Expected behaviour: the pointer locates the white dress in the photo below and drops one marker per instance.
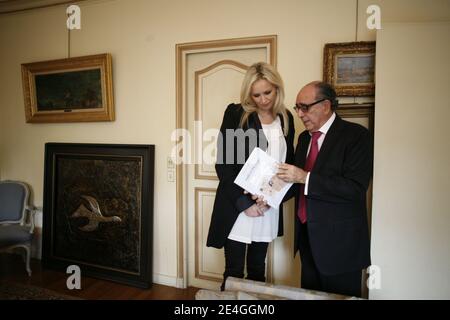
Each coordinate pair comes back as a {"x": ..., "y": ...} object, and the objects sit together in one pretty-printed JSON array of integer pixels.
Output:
[{"x": 263, "y": 228}]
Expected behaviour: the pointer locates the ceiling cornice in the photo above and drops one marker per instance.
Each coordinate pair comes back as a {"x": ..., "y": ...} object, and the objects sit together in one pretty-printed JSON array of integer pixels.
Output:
[{"x": 11, "y": 6}]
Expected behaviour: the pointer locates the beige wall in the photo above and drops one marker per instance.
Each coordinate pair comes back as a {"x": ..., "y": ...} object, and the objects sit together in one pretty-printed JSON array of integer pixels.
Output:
[
  {"x": 141, "y": 36},
  {"x": 411, "y": 218}
]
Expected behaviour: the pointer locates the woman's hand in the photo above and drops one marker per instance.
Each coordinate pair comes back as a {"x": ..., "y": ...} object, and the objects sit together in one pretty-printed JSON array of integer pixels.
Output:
[
  {"x": 261, "y": 206},
  {"x": 259, "y": 199},
  {"x": 254, "y": 211}
]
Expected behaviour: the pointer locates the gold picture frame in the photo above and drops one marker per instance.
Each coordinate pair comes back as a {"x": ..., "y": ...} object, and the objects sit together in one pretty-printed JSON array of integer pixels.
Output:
[
  {"x": 350, "y": 68},
  {"x": 69, "y": 90}
]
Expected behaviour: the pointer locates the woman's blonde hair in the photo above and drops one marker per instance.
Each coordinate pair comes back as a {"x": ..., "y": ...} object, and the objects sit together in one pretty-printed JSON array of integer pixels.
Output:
[{"x": 258, "y": 71}]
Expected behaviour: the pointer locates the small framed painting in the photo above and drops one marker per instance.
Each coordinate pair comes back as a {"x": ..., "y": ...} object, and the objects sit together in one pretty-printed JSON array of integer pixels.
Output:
[{"x": 350, "y": 68}]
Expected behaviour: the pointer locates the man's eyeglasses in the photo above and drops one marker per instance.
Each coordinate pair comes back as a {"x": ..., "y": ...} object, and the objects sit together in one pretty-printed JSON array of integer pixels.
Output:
[{"x": 305, "y": 107}]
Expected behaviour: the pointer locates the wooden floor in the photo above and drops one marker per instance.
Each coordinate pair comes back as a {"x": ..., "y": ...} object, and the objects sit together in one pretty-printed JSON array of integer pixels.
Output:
[{"x": 12, "y": 269}]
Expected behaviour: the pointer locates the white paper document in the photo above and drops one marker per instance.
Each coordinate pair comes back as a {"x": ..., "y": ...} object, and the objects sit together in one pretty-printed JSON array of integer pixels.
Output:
[{"x": 259, "y": 176}]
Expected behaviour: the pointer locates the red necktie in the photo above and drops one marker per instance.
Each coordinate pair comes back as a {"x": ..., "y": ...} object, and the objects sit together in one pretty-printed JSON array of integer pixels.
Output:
[{"x": 310, "y": 160}]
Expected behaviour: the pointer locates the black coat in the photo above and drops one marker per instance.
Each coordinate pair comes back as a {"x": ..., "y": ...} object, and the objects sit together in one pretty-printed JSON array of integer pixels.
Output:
[
  {"x": 336, "y": 200},
  {"x": 230, "y": 198}
]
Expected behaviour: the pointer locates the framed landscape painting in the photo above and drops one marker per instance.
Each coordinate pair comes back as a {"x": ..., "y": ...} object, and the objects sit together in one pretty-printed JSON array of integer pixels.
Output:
[
  {"x": 69, "y": 90},
  {"x": 350, "y": 68}
]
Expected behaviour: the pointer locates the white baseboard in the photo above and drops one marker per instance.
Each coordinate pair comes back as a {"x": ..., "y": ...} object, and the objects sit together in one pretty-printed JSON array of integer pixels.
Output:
[
  {"x": 180, "y": 283},
  {"x": 165, "y": 280}
]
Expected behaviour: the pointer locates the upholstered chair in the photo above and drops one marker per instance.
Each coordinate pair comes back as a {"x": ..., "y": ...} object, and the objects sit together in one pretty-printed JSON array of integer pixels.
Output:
[{"x": 16, "y": 219}]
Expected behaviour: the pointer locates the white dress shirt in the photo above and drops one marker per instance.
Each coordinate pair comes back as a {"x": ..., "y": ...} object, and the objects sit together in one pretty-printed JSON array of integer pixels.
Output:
[{"x": 324, "y": 129}]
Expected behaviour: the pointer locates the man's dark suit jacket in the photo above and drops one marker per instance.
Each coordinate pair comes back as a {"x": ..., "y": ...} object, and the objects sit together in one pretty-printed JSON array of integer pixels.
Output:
[
  {"x": 336, "y": 200},
  {"x": 230, "y": 198}
]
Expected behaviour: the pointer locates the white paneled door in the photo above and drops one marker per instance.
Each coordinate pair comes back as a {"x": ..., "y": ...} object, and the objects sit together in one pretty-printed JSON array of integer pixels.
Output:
[{"x": 211, "y": 78}]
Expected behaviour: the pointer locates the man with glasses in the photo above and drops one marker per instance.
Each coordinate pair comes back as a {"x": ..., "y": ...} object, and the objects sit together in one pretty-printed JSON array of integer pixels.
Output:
[{"x": 332, "y": 171}]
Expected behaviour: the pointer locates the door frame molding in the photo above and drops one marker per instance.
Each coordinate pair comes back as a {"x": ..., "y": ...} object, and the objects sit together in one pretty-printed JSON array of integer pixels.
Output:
[
  {"x": 181, "y": 52},
  {"x": 366, "y": 111}
]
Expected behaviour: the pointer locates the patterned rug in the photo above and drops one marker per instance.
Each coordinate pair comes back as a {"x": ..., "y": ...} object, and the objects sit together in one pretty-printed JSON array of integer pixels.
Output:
[{"x": 15, "y": 291}]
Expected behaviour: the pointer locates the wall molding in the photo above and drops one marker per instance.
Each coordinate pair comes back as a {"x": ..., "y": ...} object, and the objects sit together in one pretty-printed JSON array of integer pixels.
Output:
[{"x": 13, "y": 6}]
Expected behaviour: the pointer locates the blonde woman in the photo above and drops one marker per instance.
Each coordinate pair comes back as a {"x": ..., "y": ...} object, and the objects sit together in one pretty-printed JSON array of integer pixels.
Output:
[{"x": 239, "y": 224}]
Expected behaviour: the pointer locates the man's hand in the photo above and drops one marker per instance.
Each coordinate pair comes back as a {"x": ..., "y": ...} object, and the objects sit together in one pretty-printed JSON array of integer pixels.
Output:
[{"x": 290, "y": 173}]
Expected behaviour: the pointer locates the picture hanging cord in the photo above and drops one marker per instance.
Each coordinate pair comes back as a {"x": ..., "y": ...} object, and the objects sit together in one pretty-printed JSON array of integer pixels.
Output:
[
  {"x": 356, "y": 24},
  {"x": 356, "y": 32},
  {"x": 68, "y": 43}
]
